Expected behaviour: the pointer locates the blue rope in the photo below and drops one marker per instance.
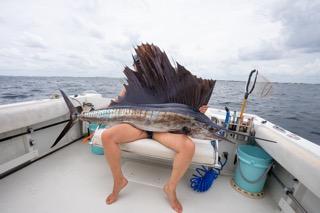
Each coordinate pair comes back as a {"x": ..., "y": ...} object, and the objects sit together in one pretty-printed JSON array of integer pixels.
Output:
[{"x": 203, "y": 180}]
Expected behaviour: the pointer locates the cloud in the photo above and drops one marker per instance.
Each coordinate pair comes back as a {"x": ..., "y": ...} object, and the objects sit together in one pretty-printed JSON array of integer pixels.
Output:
[
  {"x": 300, "y": 32},
  {"x": 2, "y": 20},
  {"x": 88, "y": 28},
  {"x": 33, "y": 41},
  {"x": 300, "y": 19},
  {"x": 221, "y": 40},
  {"x": 265, "y": 50}
]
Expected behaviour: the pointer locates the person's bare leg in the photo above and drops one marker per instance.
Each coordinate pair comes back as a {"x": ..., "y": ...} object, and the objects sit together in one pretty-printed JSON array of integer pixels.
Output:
[
  {"x": 111, "y": 138},
  {"x": 184, "y": 148}
]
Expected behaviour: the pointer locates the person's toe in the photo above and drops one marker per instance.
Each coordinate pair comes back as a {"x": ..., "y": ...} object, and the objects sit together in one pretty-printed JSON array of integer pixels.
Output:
[
  {"x": 177, "y": 206},
  {"x": 111, "y": 198},
  {"x": 116, "y": 189}
]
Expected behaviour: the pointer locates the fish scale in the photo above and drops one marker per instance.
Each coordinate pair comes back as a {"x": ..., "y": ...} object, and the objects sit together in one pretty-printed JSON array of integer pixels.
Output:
[{"x": 111, "y": 114}]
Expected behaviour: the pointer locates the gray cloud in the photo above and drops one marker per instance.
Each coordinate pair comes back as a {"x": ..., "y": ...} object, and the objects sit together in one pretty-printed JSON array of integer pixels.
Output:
[
  {"x": 300, "y": 32},
  {"x": 294, "y": 52},
  {"x": 301, "y": 24},
  {"x": 264, "y": 50}
]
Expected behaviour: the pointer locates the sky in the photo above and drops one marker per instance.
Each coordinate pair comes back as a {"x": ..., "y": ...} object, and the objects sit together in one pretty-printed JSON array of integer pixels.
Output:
[{"x": 221, "y": 40}]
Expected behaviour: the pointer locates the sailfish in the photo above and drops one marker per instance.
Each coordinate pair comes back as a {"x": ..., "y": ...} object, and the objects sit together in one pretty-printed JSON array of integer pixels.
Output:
[{"x": 159, "y": 97}]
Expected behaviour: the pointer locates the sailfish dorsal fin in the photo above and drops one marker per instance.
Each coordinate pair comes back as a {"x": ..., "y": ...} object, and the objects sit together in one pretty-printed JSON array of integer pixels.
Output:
[{"x": 156, "y": 81}]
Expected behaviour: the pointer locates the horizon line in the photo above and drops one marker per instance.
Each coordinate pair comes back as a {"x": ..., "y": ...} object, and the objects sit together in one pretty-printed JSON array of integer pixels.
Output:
[{"x": 61, "y": 76}]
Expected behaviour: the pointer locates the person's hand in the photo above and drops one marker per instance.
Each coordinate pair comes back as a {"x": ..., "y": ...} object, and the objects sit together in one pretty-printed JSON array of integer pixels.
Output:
[{"x": 203, "y": 108}]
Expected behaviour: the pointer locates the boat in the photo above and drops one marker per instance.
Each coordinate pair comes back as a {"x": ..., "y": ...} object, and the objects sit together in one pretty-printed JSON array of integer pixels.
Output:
[{"x": 70, "y": 178}]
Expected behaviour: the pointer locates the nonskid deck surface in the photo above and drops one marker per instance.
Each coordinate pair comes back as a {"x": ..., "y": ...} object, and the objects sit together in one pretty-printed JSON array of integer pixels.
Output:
[{"x": 74, "y": 180}]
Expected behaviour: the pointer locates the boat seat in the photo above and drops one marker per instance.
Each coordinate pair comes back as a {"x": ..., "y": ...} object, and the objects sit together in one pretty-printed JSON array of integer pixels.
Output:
[{"x": 205, "y": 154}]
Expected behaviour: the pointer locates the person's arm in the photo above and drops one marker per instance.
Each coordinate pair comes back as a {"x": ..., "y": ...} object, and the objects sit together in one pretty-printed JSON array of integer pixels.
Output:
[
  {"x": 203, "y": 108},
  {"x": 121, "y": 94}
]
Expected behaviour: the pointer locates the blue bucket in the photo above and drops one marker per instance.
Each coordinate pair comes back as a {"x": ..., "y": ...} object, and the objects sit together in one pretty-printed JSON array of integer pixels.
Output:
[
  {"x": 96, "y": 149},
  {"x": 253, "y": 166},
  {"x": 93, "y": 126}
]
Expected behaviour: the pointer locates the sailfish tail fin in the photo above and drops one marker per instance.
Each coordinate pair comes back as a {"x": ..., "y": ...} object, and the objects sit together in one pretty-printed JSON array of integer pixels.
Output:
[{"x": 74, "y": 112}]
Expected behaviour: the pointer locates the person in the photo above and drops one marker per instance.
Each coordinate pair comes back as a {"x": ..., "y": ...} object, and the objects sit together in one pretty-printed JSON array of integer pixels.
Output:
[{"x": 126, "y": 133}]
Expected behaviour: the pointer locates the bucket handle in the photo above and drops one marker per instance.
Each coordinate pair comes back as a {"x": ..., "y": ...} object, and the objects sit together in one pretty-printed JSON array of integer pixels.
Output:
[{"x": 259, "y": 178}]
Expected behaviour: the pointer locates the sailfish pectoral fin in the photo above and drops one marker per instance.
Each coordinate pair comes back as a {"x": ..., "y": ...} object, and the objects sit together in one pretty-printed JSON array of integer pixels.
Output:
[{"x": 186, "y": 130}]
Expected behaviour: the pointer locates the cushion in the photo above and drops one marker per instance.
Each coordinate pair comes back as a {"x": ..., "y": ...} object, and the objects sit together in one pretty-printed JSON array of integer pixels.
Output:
[{"x": 204, "y": 153}]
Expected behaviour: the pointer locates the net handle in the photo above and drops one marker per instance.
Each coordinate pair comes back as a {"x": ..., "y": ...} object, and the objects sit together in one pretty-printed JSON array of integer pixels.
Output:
[
  {"x": 248, "y": 92},
  {"x": 248, "y": 83}
]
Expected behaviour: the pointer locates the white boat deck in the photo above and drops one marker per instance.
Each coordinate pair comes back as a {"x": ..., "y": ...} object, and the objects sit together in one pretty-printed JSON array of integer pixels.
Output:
[{"x": 75, "y": 180}]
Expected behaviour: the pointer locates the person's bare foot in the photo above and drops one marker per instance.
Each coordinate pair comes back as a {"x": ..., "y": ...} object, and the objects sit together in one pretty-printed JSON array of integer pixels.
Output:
[
  {"x": 171, "y": 195},
  {"x": 116, "y": 189}
]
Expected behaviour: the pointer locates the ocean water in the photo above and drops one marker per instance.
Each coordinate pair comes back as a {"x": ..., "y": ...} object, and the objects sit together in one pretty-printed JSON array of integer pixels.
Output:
[{"x": 295, "y": 107}]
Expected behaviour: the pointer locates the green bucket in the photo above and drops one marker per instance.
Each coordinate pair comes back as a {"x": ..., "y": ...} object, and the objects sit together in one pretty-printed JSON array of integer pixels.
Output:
[{"x": 253, "y": 166}]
